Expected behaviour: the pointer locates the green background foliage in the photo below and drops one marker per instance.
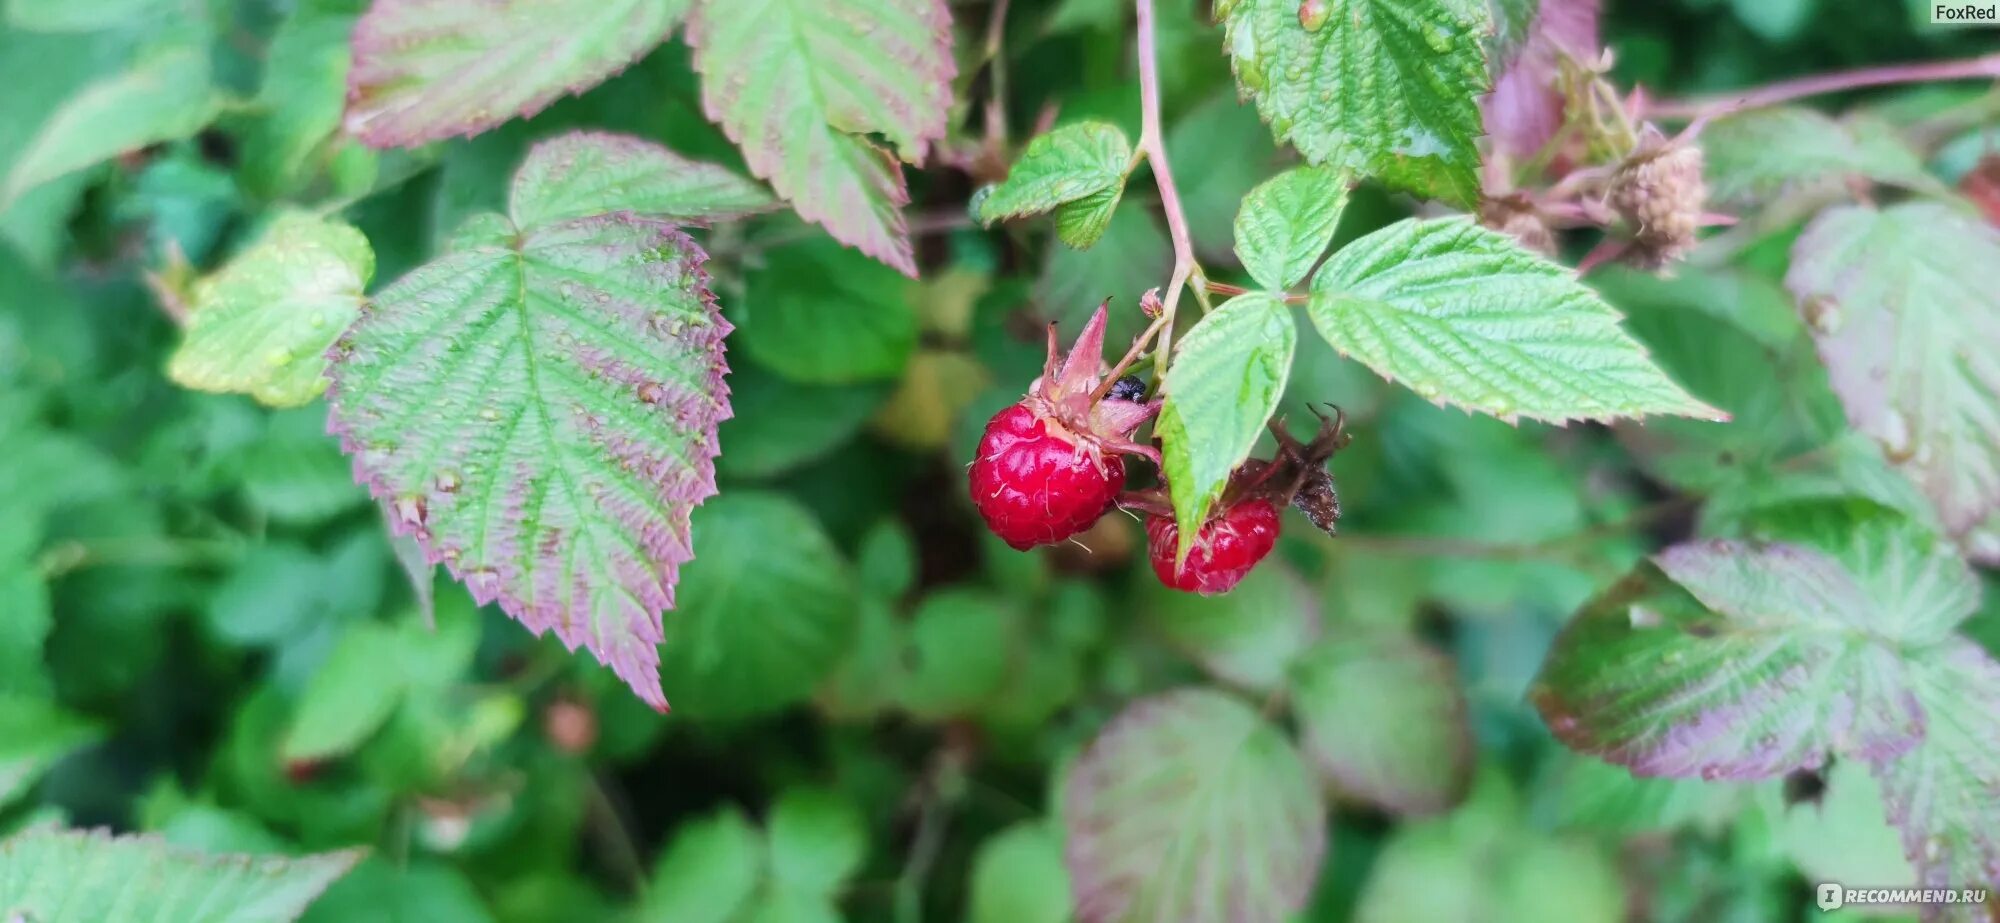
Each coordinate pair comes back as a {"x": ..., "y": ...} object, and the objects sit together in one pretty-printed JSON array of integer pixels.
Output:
[{"x": 213, "y": 644}]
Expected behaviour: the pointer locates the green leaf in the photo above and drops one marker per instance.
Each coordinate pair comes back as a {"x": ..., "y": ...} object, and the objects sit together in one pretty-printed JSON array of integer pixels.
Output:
[
  {"x": 765, "y": 611},
  {"x": 1945, "y": 794},
  {"x": 404, "y": 892},
  {"x": 295, "y": 474},
  {"x": 592, "y": 173},
  {"x": 1756, "y": 156},
  {"x": 1225, "y": 381},
  {"x": 820, "y": 314},
  {"x": 349, "y": 697},
  {"x": 1776, "y": 657},
  {"x": 1133, "y": 255},
  {"x": 1844, "y": 834},
  {"x": 61, "y": 876},
  {"x": 959, "y": 645},
  {"x": 1248, "y": 636},
  {"x": 1463, "y": 315},
  {"x": 708, "y": 871},
  {"x": 780, "y": 425},
  {"x": 24, "y": 597},
  {"x": 1222, "y": 142},
  {"x": 538, "y": 407},
  {"x": 1286, "y": 223},
  {"x": 1384, "y": 718},
  {"x": 1386, "y": 88},
  {"x": 1893, "y": 298},
  {"x": 1082, "y": 223},
  {"x": 800, "y": 84},
  {"x": 163, "y": 96},
  {"x": 1485, "y": 862},
  {"x": 424, "y": 71},
  {"x": 1083, "y": 162},
  {"x": 302, "y": 97},
  {"x": 262, "y": 324},
  {"x": 1018, "y": 877},
  {"x": 818, "y": 840},
  {"x": 1195, "y": 782},
  {"x": 887, "y": 560},
  {"x": 34, "y": 734},
  {"x": 81, "y": 15}
]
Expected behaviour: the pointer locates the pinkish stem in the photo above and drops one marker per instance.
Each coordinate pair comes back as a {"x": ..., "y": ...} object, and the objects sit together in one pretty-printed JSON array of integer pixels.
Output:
[
  {"x": 1721, "y": 104},
  {"x": 1152, "y": 143}
]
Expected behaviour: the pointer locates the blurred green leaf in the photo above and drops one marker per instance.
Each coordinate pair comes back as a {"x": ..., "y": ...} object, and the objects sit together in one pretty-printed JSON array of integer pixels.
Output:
[
  {"x": 1757, "y": 156},
  {"x": 887, "y": 560},
  {"x": 421, "y": 892},
  {"x": 34, "y": 734},
  {"x": 819, "y": 313},
  {"x": 1249, "y": 636},
  {"x": 165, "y": 95},
  {"x": 708, "y": 871},
  {"x": 1222, "y": 142},
  {"x": 960, "y": 644},
  {"x": 349, "y": 697},
  {"x": 818, "y": 840},
  {"x": 1018, "y": 877},
  {"x": 763, "y": 611},
  {"x": 1383, "y": 717},
  {"x": 1195, "y": 780}
]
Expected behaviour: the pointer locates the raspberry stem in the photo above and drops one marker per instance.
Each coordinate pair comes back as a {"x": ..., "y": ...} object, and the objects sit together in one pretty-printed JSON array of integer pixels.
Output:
[
  {"x": 1721, "y": 104},
  {"x": 1152, "y": 142}
]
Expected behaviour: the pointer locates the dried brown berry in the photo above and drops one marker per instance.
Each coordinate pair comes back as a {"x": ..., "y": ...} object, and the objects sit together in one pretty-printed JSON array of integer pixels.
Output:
[
  {"x": 1659, "y": 192},
  {"x": 1515, "y": 216}
]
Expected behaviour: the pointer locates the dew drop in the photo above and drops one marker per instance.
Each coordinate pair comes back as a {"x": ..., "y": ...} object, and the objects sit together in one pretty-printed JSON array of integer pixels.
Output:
[
  {"x": 489, "y": 414},
  {"x": 1313, "y": 14},
  {"x": 1439, "y": 39},
  {"x": 1427, "y": 390},
  {"x": 278, "y": 356},
  {"x": 1250, "y": 73}
]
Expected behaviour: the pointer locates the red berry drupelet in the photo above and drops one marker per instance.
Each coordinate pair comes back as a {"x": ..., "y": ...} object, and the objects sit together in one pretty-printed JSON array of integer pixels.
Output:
[
  {"x": 1228, "y": 546},
  {"x": 1048, "y": 466}
]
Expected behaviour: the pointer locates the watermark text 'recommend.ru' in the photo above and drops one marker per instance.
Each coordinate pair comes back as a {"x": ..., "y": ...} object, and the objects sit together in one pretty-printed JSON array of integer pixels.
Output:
[{"x": 1833, "y": 896}]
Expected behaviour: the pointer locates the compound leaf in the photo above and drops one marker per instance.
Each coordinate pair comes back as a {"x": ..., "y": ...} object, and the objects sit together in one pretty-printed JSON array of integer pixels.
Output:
[
  {"x": 1387, "y": 88},
  {"x": 261, "y": 325},
  {"x": 1898, "y": 301},
  {"x": 431, "y": 69},
  {"x": 538, "y": 407},
  {"x": 798, "y": 84},
  {"x": 1464, "y": 316},
  {"x": 1195, "y": 782},
  {"x": 1225, "y": 381},
  {"x": 71, "y": 876}
]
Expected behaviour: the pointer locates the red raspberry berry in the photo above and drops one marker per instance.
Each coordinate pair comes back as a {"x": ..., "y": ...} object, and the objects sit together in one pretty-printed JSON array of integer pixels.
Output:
[
  {"x": 1035, "y": 487},
  {"x": 1228, "y": 546},
  {"x": 1049, "y": 466}
]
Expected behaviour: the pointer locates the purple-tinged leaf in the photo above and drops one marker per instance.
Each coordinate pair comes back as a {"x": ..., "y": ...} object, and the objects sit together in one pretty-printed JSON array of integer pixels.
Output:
[
  {"x": 425, "y": 70},
  {"x": 799, "y": 84},
  {"x": 594, "y": 173},
  {"x": 1944, "y": 795},
  {"x": 1190, "y": 807},
  {"x": 1384, "y": 718},
  {"x": 1526, "y": 106},
  {"x": 1902, "y": 305},
  {"x": 538, "y": 407},
  {"x": 1775, "y": 663}
]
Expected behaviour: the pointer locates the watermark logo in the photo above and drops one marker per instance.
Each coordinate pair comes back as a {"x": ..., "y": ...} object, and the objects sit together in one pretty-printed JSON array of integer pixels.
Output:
[
  {"x": 1964, "y": 12},
  {"x": 1833, "y": 896}
]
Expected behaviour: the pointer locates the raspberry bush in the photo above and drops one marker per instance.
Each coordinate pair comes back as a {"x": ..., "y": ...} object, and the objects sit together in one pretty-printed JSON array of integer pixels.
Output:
[{"x": 1003, "y": 461}]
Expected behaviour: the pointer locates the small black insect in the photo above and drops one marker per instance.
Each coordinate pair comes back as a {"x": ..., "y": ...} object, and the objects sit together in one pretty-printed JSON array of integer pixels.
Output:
[{"x": 1129, "y": 388}]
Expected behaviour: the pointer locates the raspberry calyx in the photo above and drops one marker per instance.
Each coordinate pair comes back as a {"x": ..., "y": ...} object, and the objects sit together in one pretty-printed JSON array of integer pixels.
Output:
[{"x": 1048, "y": 466}]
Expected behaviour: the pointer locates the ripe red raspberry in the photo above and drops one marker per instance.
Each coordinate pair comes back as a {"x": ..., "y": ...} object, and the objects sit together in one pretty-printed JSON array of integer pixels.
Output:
[
  {"x": 1048, "y": 466},
  {"x": 1227, "y": 547}
]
